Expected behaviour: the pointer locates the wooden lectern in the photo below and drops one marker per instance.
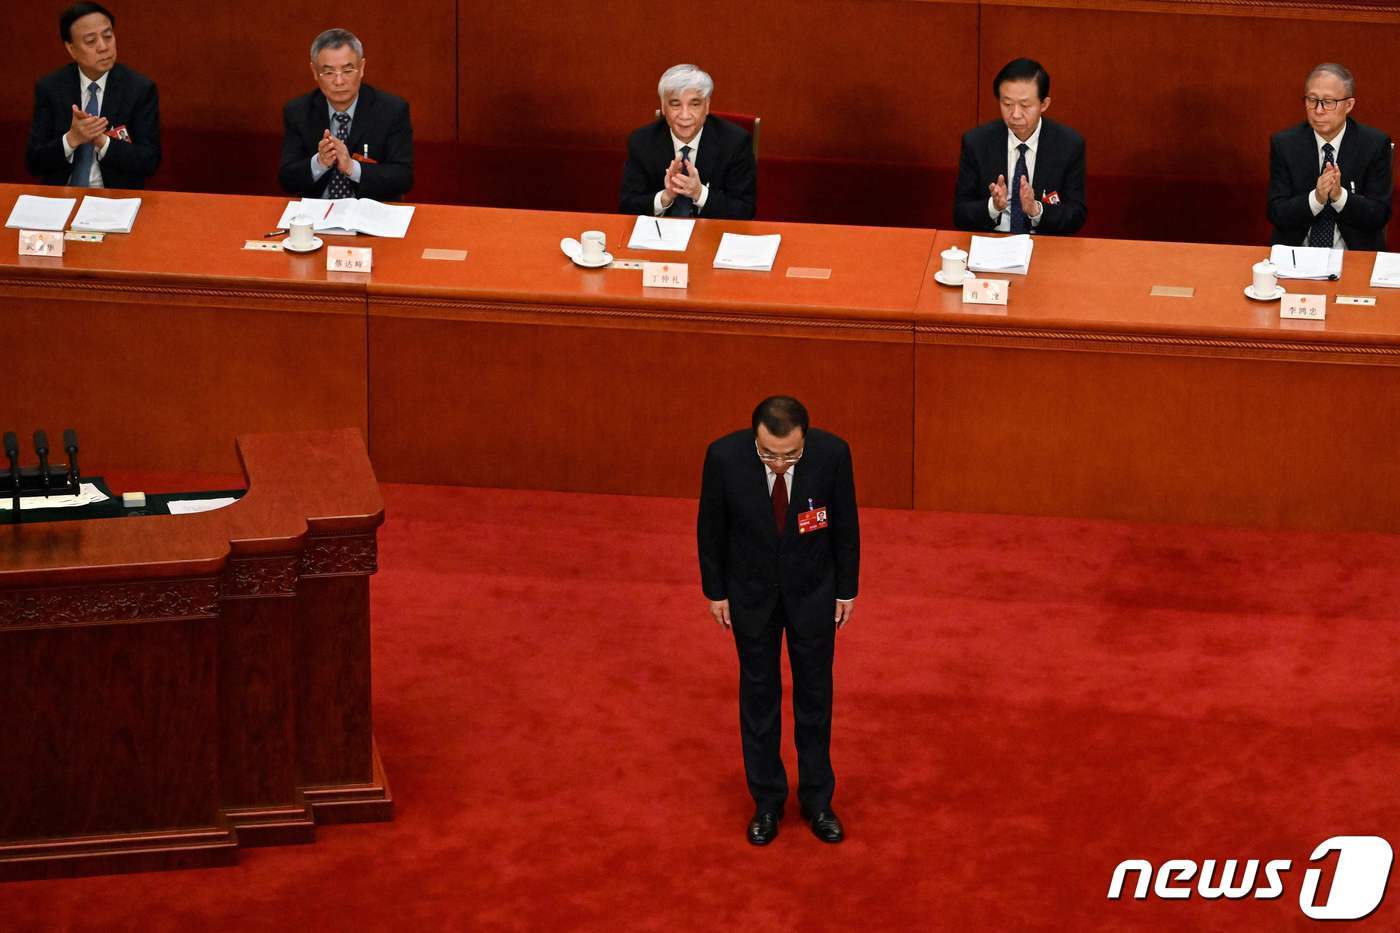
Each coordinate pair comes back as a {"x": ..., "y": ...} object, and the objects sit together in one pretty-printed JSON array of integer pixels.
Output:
[{"x": 174, "y": 687}]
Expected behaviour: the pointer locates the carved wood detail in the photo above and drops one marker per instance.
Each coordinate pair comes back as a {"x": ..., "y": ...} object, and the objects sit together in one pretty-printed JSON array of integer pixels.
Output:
[
  {"x": 340, "y": 555},
  {"x": 109, "y": 603},
  {"x": 260, "y": 576}
]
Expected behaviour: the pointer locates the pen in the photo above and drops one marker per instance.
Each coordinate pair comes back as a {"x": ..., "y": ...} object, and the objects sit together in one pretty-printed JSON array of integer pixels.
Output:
[
  {"x": 366, "y": 150},
  {"x": 1295, "y": 258},
  {"x": 658, "y": 228},
  {"x": 328, "y": 210},
  {"x": 273, "y": 233}
]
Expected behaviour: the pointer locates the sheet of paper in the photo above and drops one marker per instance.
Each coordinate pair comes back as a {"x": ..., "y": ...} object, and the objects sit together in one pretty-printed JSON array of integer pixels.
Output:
[
  {"x": 1386, "y": 272},
  {"x": 87, "y": 494},
  {"x": 316, "y": 209},
  {"x": 375, "y": 218},
  {"x": 108, "y": 215},
  {"x": 1011, "y": 254},
  {"x": 667, "y": 233},
  {"x": 35, "y": 213},
  {"x": 1306, "y": 262},
  {"x": 191, "y": 506},
  {"x": 752, "y": 253}
]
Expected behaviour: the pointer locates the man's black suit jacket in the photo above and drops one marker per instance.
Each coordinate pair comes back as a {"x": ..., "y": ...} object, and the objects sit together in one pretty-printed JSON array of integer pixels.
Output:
[
  {"x": 743, "y": 558},
  {"x": 130, "y": 100},
  {"x": 381, "y": 122},
  {"x": 1364, "y": 160},
  {"x": 725, "y": 163},
  {"x": 1059, "y": 169}
]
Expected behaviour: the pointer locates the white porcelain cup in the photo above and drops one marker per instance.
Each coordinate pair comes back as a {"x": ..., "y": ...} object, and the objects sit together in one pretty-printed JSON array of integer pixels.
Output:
[
  {"x": 299, "y": 234},
  {"x": 954, "y": 263},
  {"x": 1265, "y": 278},
  {"x": 594, "y": 244}
]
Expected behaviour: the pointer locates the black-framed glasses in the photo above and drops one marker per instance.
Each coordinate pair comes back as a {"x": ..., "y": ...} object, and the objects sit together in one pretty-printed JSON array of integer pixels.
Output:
[
  {"x": 777, "y": 458},
  {"x": 1325, "y": 103}
]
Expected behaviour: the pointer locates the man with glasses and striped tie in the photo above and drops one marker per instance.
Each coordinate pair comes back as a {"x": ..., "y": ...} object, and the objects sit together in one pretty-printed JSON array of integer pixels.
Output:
[
  {"x": 96, "y": 123},
  {"x": 1329, "y": 176}
]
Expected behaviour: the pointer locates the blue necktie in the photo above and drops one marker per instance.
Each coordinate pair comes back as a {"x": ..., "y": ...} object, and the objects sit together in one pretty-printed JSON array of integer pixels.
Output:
[
  {"x": 684, "y": 206},
  {"x": 1324, "y": 227},
  {"x": 84, "y": 155},
  {"x": 1019, "y": 223},
  {"x": 340, "y": 185}
]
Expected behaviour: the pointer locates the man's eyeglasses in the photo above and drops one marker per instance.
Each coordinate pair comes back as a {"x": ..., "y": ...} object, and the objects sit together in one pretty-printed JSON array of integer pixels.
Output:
[
  {"x": 766, "y": 457},
  {"x": 347, "y": 72},
  {"x": 1323, "y": 103}
]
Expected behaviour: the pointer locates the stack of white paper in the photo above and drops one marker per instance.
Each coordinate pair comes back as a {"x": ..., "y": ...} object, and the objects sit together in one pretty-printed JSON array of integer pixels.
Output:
[
  {"x": 1009, "y": 254},
  {"x": 668, "y": 233},
  {"x": 349, "y": 216},
  {"x": 1306, "y": 262},
  {"x": 193, "y": 506},
  {"x": 1386, "y": 272},
  {"x": 106, "y": 215},
  {"x": 87, "y": 494},
  {"x": 752, "y": 253},
  {"x": 35, "y": 213}
]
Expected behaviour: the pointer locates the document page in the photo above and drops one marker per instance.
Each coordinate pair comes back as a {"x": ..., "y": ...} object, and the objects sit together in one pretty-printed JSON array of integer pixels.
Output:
[
  {"x": 1306, "y": 262},
  {"x": 35, "y": 213},
  {"x": 1011, "y": 254},
  {"x": 1386, "y": 272},
  {"x": 666, "y": 233},
  {"x": 376, "y": 218},
  {"x": 88, "y": 493},
  {"x": 106, "y": 215},
  {"x": 752, "y": 253},
  {"x": 191, "y": 506}
]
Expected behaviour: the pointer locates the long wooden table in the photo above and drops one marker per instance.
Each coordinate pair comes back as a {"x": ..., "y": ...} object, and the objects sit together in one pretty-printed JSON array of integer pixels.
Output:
[{"x": 1085, "y": 396}]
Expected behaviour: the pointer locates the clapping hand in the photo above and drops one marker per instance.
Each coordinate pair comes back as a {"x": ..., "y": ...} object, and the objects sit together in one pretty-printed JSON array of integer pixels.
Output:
[{"x": 85, "y": 128}]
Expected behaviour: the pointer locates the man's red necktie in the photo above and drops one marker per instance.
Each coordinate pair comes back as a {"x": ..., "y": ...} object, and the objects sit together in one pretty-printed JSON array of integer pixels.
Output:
[{"x": 780, "y": 502}]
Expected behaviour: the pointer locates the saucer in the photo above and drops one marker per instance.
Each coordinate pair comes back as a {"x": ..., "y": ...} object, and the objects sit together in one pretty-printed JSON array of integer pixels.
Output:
[
  {"x": 315, "y": 245},
  {"x": 1251, "y": 293},
  {"x": 941, "y": 280},
  {"x": 602, "y": 261}
]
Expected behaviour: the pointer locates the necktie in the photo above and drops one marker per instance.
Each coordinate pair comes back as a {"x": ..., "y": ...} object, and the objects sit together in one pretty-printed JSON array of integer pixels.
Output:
[
  {"x": 684, "y": 206},
  {"x": 84, "y": 155},
  {"x": 780, "y": 502},
  {"x": 1324, "y": 226},
  {"x": 339, "y": 185},
  {"x": 1019, "y": 223}
]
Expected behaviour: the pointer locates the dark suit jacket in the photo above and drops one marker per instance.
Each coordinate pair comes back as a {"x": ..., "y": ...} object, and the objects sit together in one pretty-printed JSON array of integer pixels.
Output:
[
  {"x": 742, "y": 557},
  {"x": 381, "y": 121},
  {"x": 1364, "y": 159},
  {"x": 130, "y": 100},
  {"x": 1059, "y": 167},
  {"x": 725, "y": 163}
]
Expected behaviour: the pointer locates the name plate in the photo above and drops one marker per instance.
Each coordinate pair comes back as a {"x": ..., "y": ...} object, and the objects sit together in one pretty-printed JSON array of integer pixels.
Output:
[
  {"x": 1367, "y": 300},
  {"x": 449, "y": 255},
  {"x": 985, "y": 291},
  {"x": 806, "y": 272},
  {"x": 626, "y": 264},
  {"x": 40, "y": 243},
  {"x": 1172, "y": 291},
  {"x": 83, "y": 236},
  {"x": 1303, "y": 308},
  {"x": 271, "y": 246},
  {"x": 665, "y": 274},
  {"x": 349, "y": 258}
]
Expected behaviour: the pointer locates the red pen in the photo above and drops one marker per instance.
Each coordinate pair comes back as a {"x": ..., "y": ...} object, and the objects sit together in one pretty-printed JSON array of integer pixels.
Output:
[{"x": 328, "y": 210}]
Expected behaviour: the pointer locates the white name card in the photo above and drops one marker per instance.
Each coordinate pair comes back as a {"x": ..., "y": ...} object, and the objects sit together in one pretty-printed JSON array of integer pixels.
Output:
[
  {"x": 81, "y": 236},
  {"x": 1303, "y": 308},
  {"x": 1368, "y": 301},
  {"x": 665, "y": 274},
  {"x": 267, "y": 246},
  {"x": 40, "y": 243},
  {"x": 985, "y": 291},
  {"x": 349, "y": 258}
]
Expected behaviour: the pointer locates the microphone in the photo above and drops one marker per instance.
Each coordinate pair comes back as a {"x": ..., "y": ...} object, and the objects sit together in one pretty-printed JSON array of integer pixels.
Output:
[
  {"x": 12, "y": 451},
  {"x": 70, "y": 445},
  {"x": 41, "y": 447}
]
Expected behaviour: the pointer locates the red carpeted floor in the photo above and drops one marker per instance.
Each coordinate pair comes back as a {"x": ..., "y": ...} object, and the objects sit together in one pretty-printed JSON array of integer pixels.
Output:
[{"x": 1021, "y": 704}]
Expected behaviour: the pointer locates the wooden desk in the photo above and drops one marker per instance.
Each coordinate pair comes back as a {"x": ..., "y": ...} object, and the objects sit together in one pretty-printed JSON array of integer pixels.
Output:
[
  {"x": 1086, "y": 396},
  {"x": 178, "y": 686}
]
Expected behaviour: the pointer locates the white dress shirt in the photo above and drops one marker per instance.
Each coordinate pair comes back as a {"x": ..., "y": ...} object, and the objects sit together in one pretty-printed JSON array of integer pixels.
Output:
[
  {"x": 1341, "y": 202},
  {"x": 94, "y": 180},
  {"x": 1003, "y": 218},
  {"x": 656, "y": 207},
  {"x": 317, "y": 169}
]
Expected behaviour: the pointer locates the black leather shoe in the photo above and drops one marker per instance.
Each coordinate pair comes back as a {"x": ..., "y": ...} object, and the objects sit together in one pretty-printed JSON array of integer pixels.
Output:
[
  {"x": 826, "y": 827},
  {"x": 763, "y": 828}
]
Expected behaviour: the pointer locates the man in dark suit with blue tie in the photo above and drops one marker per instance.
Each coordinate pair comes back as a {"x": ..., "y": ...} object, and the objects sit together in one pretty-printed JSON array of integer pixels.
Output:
[
  {"x": 1044, "y": 161},
  {"x": 96, "y": 123},
  {"x": 345, "y": 139},
  {"x": 779, "y": 543},
  {"x": 689, "y": 163},
  {"x": 1329, "y": 176}
]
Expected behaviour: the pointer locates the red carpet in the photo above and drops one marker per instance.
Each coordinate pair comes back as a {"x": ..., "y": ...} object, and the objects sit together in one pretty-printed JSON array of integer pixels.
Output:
[{"x": 1021, "y": 704}]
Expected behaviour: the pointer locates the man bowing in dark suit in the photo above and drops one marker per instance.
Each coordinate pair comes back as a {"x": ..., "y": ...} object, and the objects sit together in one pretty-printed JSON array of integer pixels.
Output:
[
  {"x": 689, "y": 163},
  {"x": 96, "y": 123},
  {"x": 1329, "y": 176},
  {"x": 779, "y": 543},
  {"x": 346, "y": 139},
  {"x": 1043, "y": 160}
]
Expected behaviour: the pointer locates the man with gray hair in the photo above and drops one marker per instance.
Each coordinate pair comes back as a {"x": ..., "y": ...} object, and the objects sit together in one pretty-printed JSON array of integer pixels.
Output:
[
  {"x": 1329, "y": 176},
  {"x": 345, "y": 139},
  {"x": 689, "y": 163}
]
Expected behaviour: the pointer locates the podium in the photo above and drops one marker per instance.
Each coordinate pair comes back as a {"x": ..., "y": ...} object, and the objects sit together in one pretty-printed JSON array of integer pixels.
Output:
[{"x": 176, "y": 687}]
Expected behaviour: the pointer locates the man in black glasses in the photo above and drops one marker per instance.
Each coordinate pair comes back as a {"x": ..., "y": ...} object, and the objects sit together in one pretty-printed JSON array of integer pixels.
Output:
[
  {"x": 780, "y": 553},
  {"x": 1329, "y": 176}
]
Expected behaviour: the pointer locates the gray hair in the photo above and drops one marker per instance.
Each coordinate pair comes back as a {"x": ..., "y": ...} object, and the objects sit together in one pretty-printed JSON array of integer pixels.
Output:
[
  {"x": 334, "y": 39},
  {"x": 1337, "y": 71},
  {"x": 680, "y": 78}
]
